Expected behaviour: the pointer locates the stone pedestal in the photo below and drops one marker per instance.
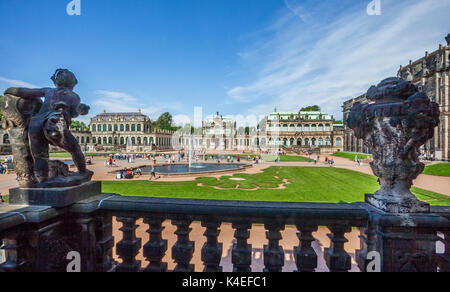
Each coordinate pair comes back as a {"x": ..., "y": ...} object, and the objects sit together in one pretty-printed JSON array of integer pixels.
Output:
[
  {"x": 410, "y": 205},
  {"x": 54, "y": 197}
]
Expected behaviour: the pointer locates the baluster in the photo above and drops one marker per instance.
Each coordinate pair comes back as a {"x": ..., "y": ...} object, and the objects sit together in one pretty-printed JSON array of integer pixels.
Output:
[
  {"x": 242, "y": 251},
  {"x": 368, "y": 244},
  {"x": 212, "y": 250},
  {"x": 273, "y": 253},
  {"x": 16, "y": 259},
  {"x": 444, "y": 265},
  {"x": 128, "y": 248},
  {"x": 337, "y": 259},
  {"x": 305, "y": 255},
  {"x": 105, "y": 243},
  {"x": 156, "y": 247},
  {"x": 183, "y": 250}
]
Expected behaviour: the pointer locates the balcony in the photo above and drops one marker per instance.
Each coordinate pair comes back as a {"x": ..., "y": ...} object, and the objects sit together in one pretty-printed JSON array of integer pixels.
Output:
[{"x": 38, "y": 238}]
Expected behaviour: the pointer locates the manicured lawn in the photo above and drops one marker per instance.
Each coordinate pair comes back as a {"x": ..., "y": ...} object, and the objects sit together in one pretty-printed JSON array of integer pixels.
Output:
[
  {"x": 441, "y": 169},
  {"x": 290, "y": 158},
  {"x": 351, "y": 156},
  {"x": 67, "y": 155},
  {"x": 308, "y": 184}
]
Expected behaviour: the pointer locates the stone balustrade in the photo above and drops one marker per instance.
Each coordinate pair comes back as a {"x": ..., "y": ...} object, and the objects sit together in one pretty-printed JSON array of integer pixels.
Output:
[{"x": 39, "y": 238}]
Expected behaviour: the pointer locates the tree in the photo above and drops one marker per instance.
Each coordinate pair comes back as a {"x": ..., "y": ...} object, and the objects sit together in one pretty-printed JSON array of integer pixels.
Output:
[
  {"x": 79, "y": 126},
  {"x": 312, "y": 108},
  {"x": 165, "y": 122}
]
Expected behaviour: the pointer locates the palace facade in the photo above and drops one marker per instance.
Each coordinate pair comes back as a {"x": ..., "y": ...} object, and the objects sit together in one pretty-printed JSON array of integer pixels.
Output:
[
  {"x": 304, "y": 130},
  {"x": 293, "y": 131},
  {"x": 127, "y": 132}
]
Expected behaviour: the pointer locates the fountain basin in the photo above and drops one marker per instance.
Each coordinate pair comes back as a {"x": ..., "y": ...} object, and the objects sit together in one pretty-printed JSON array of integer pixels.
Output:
[{"x": 196, "y": 168}]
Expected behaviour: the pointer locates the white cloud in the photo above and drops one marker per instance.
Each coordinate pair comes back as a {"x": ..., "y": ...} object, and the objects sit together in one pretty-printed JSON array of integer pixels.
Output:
[
  {"x": 17, "y": 83},
  {"x": 113, "y": 101},
  {"x": 323, "y": 60}
]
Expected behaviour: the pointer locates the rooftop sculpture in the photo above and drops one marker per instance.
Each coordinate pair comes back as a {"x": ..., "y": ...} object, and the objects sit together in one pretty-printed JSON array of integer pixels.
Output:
[
  {"x": 394, "y": 123},
  {"x": 34, "y": 125}
]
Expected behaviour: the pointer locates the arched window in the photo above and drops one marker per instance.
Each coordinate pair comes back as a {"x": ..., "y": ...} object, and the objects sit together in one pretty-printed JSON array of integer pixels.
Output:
[
  {"x": 104, "y": 140},
  {"x": 313, "y": 128},
  {"x": 285, "y": 142},
  {"x": 339, "y": 142},
  {"x": 6, "y": 139},
  {"x": 306, "y": 128},
  {"x": 277, "y": 127},
  {"x": 145, "y": 140},
  {"x": 104, "y": 127},
  {"x": 88, "y": 140},
  {"x": 78, "y": 139},
  {"x": 217, "y": 130},
  {"x": 292, "y": 128},
  {"x": 82, "y": 140},
  {"x": 115, "y": 141},
  {"x": 270, "y": 127},
  {"x": 306, "y": 142},
  {"x": 139, "y": 127},
  {"x": 151, "y": 140},
  {"x": 270, "y": 141},
  {"x": 320, "y": 141},
  {"x": 127, "y": 127},
  {"x": 263, "y": 141},
  {"x": 320, "y": 128},
  {"x": 299, "y": 128},
  {"x": 285, "y": 128},
  {"x": 327, "y": 142},
  {"x": 291, "y": 142},
  {"x": 139, "y": 140},
  {"x": 94, "y": 128},
  {"x": 313, "y": 142},
  {"x": 110, "y": 128},
  {"x": 133, "y": 141},
  {"x": 133, "y": 128},
  {"x": 327, "y": 127},
  {"x": 278, "y": 141},
  {"x": 94, "y": 140},
  {"x": 122, "y": 128},
  {"x": 299, "y": 142},
  {"x": 110, "y": 140},
  {"x": 99, "y": 140},
  {"x": 116, "y": 127},
  {"x": 122, "y": 140}
]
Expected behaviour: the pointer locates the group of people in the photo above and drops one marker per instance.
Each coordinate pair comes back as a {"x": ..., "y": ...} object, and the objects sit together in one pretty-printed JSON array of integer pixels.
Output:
[{"x": 129, "y": 173}]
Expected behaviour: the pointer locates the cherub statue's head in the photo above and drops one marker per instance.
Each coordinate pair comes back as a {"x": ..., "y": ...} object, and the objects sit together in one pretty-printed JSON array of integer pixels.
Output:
[{"x": 64, "y": 78}]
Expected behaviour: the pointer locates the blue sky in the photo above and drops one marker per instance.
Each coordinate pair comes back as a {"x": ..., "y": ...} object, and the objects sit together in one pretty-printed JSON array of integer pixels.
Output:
[{"x": 239, "y": 57}]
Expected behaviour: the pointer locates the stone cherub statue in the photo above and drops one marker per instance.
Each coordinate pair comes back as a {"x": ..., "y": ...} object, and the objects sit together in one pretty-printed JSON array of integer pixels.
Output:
[
  {"x": 34, "y": 125},
  {"x": 395, "y": 122}
]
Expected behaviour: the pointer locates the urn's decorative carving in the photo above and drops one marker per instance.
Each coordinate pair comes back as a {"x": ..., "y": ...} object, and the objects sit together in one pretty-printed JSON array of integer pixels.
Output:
[
  {"x": 395, "y": 122},
  {"x": 34, "y": 125}
]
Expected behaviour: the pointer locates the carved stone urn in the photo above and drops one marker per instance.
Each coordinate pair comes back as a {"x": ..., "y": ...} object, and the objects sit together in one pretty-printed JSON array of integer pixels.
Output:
[{"x": 394, "y": 123}]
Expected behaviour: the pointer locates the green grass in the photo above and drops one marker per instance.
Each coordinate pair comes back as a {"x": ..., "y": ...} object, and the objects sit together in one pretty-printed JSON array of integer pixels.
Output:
[
  {"x": 6, "y": 198},
  {"x": 67, "y": 155},
  {"x": 351, "y": 156},
  {"x": 441, "y": 169},
  {"x": 290, "y": 158},
  {"x": 308, "y": 184}
]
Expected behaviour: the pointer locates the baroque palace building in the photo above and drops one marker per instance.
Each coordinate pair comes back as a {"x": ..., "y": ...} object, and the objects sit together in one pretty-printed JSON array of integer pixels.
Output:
[
  {"x": 127, "y": 131},
  {"x": 289, "y": 131},
  {"x": 304, "y": 130},
  {"x": 431, "y": 74}
]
